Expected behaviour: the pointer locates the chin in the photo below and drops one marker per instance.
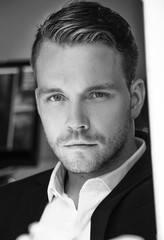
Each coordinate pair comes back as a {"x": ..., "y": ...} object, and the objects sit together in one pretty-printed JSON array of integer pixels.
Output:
[
  {"x": 79, "y": 167},
  {"x": 82, "y": 166},
  {"x": 79, "y": 162}
]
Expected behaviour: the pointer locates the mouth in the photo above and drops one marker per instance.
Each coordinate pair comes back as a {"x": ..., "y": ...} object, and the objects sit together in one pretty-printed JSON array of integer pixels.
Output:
[{"x": 80, "y": 145}]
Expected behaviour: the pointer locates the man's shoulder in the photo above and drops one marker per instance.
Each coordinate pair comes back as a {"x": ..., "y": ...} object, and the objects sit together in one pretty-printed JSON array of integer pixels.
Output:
[
  {"x": 21, "y": 203},
  {"x": 31, "y": 182}
]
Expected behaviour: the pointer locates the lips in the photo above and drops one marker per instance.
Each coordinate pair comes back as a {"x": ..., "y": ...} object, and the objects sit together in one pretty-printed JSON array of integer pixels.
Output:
[{"x": 80, "y": 145}]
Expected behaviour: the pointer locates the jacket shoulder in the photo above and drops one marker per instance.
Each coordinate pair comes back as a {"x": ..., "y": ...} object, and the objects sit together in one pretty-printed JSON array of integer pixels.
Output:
[
  {"x": 21, "y": 203},
  {"x": 27, "y": 183}
]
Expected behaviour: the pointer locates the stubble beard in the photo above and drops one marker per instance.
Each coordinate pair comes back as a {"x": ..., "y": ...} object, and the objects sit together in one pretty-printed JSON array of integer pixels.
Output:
[{"x": 107, "y": 155}]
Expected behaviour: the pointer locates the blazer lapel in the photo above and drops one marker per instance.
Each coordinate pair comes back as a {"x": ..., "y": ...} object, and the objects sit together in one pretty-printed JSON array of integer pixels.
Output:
[{"x": 140, "y": 171}]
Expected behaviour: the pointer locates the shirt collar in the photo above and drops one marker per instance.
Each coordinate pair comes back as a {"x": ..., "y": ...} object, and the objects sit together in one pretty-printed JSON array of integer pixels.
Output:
[
  {"x": 56, "y": 183},
  {"x": 113, "y": 178},
  {"x": 109, "y": 180}
]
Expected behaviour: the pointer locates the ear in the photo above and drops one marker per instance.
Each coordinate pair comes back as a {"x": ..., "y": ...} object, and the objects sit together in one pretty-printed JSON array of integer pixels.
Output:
[
  {"x": 37, "y": 100},
  {"x": 137, "y": 90}
]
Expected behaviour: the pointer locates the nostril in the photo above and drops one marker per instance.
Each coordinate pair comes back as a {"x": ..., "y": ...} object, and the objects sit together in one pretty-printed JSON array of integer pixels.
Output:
[
  {"x": 78, "y": 127},
  {"x": 77, "y": 118}
]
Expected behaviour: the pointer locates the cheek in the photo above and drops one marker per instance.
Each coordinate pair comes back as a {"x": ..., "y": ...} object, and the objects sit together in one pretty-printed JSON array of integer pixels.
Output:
[
  {"x": 53, "y": 123},
  {"x": 110, "y": 117}
]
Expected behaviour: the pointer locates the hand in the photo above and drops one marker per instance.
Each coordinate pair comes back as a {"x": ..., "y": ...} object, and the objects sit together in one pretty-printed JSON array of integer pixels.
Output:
[
  {"x": 124, "y": 237},
  {"x": 29, "y": 236},
  {"x": 24, "y": 237},
  {"x": 37, "y": 232}
]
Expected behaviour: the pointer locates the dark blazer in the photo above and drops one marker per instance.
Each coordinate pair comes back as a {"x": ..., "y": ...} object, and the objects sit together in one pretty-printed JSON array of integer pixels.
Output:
[{"x": 128, "y": 209}]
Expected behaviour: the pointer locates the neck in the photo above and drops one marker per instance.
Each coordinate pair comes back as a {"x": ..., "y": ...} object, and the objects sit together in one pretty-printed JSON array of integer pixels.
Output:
[
  {"x": 75, "y": 181},
  {"x": 73, "y": 185}
]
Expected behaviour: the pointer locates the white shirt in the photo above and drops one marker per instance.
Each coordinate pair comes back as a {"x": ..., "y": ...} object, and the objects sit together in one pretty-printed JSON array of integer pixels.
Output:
[{"x": 60, "y": 219}]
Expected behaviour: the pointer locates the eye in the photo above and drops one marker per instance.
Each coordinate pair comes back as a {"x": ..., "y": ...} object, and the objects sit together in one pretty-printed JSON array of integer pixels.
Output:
[
  {"x": 56, "y": 98},
  {"x": 99, "y": 95}
]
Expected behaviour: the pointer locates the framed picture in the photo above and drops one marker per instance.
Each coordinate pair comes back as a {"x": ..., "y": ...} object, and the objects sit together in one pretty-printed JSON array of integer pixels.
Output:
[{"x": 18, "y": 115}]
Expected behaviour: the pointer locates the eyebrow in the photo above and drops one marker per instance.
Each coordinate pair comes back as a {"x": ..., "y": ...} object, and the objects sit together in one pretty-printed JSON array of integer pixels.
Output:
[
  {"x": 45, "y": 90},
  {"x": 106, "y": 86}
]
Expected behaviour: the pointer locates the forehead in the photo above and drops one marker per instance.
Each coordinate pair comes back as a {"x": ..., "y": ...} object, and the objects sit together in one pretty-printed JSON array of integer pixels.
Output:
[{"x": 89, "y": 63}]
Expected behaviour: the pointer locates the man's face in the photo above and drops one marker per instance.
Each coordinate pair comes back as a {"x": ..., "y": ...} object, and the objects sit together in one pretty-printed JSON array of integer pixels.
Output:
[{"x": 84, "y": 104}]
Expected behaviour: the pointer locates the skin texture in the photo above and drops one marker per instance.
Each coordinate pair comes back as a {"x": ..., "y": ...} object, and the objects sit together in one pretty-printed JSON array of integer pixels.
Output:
[{"x": 86, "y": 109}]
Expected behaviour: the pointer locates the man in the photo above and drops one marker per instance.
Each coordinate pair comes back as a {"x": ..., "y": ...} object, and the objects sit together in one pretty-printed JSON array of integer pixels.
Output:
[{"x": 84, "y": 59}]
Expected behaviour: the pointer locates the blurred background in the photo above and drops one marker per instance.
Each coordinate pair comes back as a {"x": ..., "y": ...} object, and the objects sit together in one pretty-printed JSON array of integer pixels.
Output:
[{"x": 24, "y": 150}]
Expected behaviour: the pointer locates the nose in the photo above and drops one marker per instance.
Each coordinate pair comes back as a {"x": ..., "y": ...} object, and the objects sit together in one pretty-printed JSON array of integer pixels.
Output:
[{"x": 77, "y": 117}]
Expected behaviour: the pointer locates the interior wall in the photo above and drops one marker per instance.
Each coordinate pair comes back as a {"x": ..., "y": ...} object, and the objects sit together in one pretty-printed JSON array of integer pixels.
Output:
[{"x": 18, "y": 24}]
